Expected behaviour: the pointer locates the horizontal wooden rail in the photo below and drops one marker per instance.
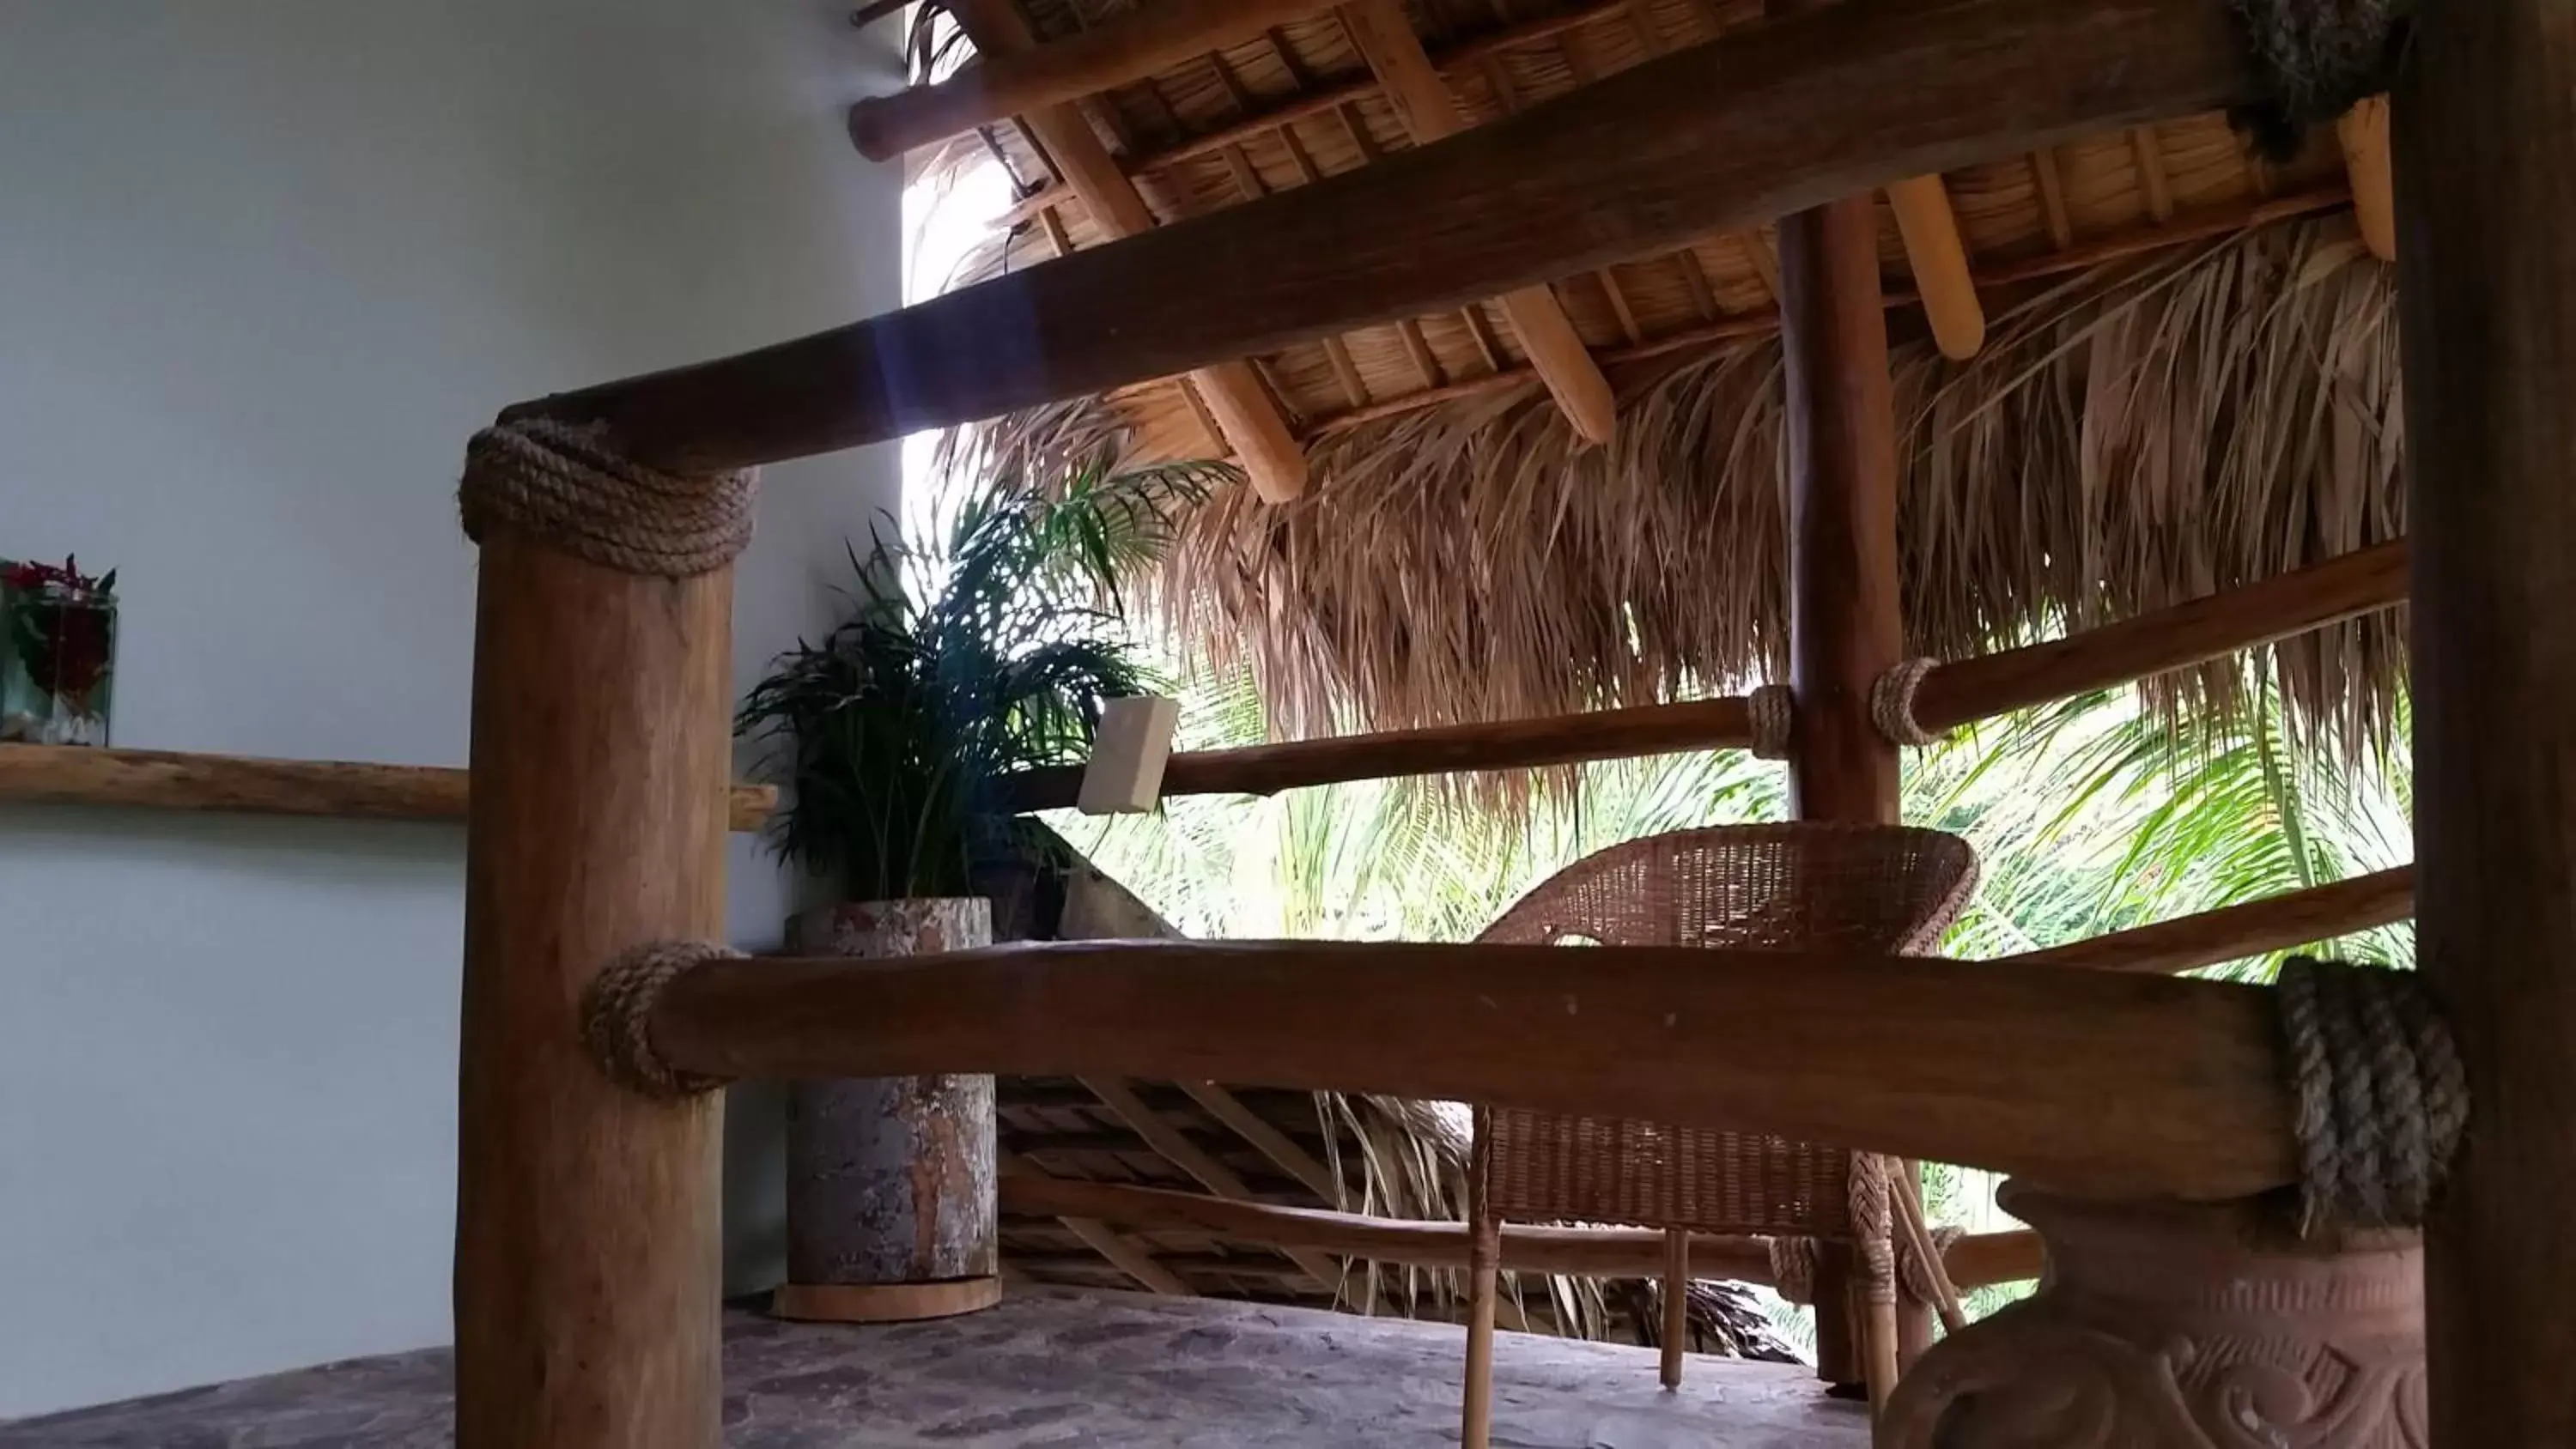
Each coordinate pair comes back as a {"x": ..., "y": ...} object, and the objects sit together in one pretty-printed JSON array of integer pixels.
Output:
[
  {"x": 2187, "y": 634},
  {"x": 169, "y": 780},
  {"x": 1608, "y": 734},
  {"x": 2087, "y": 1081},
  {"x": 1591, "y": 1252},
  {"x": 1129, "y": 46},
  {"x": 2211, "y": 627},
  {"x": 1744, "y": 129},
  {"x": 2231, "y": 933}
]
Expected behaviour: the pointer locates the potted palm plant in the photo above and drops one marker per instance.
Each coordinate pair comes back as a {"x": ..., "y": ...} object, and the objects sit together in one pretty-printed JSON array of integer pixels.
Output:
[{"x": 959, "y": 664}]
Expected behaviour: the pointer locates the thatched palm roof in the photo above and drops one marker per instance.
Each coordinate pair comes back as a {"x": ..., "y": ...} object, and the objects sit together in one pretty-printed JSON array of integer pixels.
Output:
[{"x": 2189, "y": 382}]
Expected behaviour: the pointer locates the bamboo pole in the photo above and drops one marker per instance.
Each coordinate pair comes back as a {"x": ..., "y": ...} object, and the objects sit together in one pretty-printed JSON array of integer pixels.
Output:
[
  {"x": 1938, "y": 257},
  {"x": 1836, "y": 97},
  {"x": 1273, "y": 461},
  {"x": 2093, "y": 1081},
  {"x": 333, "y": 789},
  {"x": 587, "y": 1233},
  {"x": 2123, "y": 652},
  {"x": 2363, "y": 134},
  {"x": 2485, "y": 142},
  {"x": 1508, "y": 745},
  {"x": 1579, "y": 1252},
  {"x": 1384, "y": 37},
  {"x": 1016, "y": 80},
  {"x": 2232, "y": 932},
  {"x": 2193, "y": 632}
]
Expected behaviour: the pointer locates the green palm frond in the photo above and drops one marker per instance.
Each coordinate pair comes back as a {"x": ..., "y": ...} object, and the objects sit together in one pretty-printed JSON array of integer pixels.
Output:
[{"x": 958, "y": 664}]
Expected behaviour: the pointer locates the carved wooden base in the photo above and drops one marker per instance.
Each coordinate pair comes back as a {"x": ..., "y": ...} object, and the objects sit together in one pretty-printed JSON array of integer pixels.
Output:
[{"x": 2171, "y": 1326}]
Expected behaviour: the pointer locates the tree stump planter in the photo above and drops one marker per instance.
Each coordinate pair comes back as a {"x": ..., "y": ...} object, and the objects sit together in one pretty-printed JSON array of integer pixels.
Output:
[
  {"x": 2175, "y": 1326},
  {"x": 890, "y": 1184}
]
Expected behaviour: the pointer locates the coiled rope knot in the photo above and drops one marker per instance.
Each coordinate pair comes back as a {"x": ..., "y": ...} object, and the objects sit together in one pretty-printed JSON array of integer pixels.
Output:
[
  {"x": 617, "y": 1013},
  {"x": 1891, "y": 702},
  {"x": 2316, "y": 58},
  {"x": 1772, "y": 709},
  {"x": 2382, "y": 1099},
  {"x": 566, "y": 487}
]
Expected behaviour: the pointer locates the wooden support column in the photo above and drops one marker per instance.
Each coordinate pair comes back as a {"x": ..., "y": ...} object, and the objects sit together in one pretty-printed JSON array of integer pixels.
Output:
[
  {"x": 587, "y": 1252},
  {"x": 1843, "y": 624},
  {"x": 2485, "y": 143}
]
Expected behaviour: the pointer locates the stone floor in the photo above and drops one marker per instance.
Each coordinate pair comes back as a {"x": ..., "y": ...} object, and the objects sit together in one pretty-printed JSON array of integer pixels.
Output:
[{"x": 1062, "y": 1368}]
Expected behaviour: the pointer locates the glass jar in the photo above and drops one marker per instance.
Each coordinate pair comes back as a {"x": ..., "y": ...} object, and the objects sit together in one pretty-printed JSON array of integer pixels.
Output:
[{"x": 57, "y": 663}]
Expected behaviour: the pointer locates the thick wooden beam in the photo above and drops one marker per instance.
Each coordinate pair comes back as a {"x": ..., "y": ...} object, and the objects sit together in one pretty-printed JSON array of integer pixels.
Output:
[
  {"x": 2199, "y": 225},
  {"x": 2140, "y": 1085},
  {"x": 1251, "y": 424},
  {"x": 2194, "y": 632},
  {"x": 1609, "y": 734},
  {"x": 1152, "y": 37},
  {"x": 2485, "y": 142},
  {"x": 336, "y": 789},
  {"x": 587, "y": 1233},
  {"x": 1726, "y": 135},
  {"x": 2230, "y": 933},
  {"x": 1384, "y": 37}
]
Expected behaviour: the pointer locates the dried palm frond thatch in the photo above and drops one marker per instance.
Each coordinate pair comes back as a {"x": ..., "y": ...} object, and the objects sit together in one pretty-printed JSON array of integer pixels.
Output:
[{"x": 2131, "y": 437}]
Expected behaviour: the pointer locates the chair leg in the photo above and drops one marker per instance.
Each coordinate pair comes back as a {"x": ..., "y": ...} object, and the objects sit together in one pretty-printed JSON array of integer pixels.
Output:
[
  {"x": 1676, "y": 1304},
  {"x": 1878, "y": 1350},
  {"x": 1484, "y": 1253}
]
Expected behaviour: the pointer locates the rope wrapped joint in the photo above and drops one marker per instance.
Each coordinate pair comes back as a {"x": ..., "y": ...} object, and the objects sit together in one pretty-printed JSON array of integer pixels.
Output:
[
  {"x": 1891, "y": 702},
  {"x": 568, "y": 487},
  {"x": 1772, "y": 709},
  {"x": 617, "y": 1016},
  {"x": 2316, "y": 58},
  {"x": 2382, "y": 1098}
]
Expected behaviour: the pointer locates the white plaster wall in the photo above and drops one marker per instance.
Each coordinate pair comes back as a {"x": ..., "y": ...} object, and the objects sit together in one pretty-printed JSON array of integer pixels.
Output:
[{"x": 264, "y": 265}]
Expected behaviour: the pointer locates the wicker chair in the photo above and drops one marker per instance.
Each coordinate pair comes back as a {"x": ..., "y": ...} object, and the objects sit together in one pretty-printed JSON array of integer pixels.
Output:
[{"x": 1812, "y": 886}]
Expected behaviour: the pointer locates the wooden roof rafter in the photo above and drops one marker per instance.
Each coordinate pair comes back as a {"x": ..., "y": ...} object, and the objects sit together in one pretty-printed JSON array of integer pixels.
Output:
[
  {"x": 1638, "y": 161},
  {"x": 1243, "y": 411}
]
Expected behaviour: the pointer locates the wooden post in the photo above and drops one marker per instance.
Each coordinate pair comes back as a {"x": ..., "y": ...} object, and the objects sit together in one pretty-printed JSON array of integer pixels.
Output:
[
  {"x": 1676, "y": 1305},
  {"x": 1843, "y": 624},
  {"x": 1484, "y": 1253},
  {"x": 2485, "y": 142},
  {"x": 587, "y": 1252}
]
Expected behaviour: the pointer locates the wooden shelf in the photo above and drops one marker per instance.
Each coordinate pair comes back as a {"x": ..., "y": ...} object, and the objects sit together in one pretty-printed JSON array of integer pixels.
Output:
[{"x": 168, "y": 780}]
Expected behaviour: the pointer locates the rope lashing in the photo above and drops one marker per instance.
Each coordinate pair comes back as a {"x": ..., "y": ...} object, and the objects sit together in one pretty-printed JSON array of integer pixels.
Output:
[
  {"x": 567, "y": 487},
  {"x": 1922, "y": 1272},
  {"x": 2382, "y": 1098},
  {"x": 2316, "y": 57},
  {"x": 1891, "y": 702},
  {"x": 617, "y": 1013},
  {"x": 1793, "y": 1268},
  {"x": 1773, "y": 709},
  {"x": 1873, "y": 1221}
]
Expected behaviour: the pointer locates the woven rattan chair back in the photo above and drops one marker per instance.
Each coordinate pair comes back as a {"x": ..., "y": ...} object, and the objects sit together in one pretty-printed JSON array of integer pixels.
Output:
[{"x": 1792, "y": 886}]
